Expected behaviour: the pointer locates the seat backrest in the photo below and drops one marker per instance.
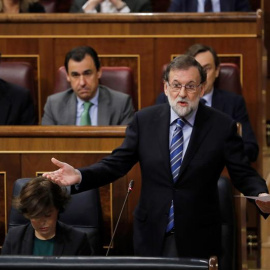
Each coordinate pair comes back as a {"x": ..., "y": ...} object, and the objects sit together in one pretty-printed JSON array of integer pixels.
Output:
[
  {"x": 83, "y": 213},
  {"x": 22, "y": 74},
  {"x": 228, "y": 79},
  {"x": 118, "y": 78},
  {"x": 228, "y": 230}
]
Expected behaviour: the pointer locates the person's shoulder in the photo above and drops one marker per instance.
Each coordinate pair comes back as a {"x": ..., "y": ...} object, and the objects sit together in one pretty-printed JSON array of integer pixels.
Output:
[
  {"x": 113, "y": 92},
  {"x": 12, "y": 88},
  {"x": 214, "y": 113},
  {"x": 154, "y": 110},
  {"x": 67, "y": 229},
  {"x": 61, "y": 95},
  {"x": 228, "y": 95},
  {"x": 17, "y": 230}
]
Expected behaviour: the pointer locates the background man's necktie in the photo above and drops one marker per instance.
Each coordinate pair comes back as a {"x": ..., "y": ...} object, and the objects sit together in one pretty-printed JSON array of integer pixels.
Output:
[
  {"x": 176, "y": 152},
  {"x": 208, "y": 6},
  {"x": 85, "y": 117}
]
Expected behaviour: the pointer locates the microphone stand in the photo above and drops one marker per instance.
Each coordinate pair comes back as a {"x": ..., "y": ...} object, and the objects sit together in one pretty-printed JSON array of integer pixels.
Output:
[{"x": 130, "y": 187}]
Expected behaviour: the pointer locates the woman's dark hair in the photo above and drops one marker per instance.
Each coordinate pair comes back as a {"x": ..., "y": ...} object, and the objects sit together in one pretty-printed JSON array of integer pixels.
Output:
[{"x": 38, "y": 196}]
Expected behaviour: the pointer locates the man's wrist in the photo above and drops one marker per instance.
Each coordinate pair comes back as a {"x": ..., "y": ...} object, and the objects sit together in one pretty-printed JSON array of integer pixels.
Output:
[{"x": 80, "y": 176}]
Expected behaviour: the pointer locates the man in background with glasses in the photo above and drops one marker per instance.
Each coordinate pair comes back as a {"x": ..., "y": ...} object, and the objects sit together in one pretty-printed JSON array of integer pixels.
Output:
[
  {"x": 222, "y": 99},
  {"x": 182, "y": 148}
]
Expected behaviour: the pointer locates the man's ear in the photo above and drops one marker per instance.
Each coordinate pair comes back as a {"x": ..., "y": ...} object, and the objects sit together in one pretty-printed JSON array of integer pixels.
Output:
[
  {"x": 202, "y": 89},
  {"x": 68, "y": 78},
  {"x": 99, "y": 73},
  {"x": 165, "y": 84},
  {"x": 217, "y": 71}
]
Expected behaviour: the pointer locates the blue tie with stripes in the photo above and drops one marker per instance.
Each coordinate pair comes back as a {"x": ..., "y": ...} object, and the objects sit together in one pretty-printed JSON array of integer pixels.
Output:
[{"x": 176, "y": 150}]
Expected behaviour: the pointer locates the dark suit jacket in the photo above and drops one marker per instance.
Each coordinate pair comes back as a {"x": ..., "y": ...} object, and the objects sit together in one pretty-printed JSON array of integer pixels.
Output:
[
  {"x": 36, "y": 8},
  {"x": 225, "y": 5},
  {"x": 214, "y": 143},
  {"x": 134, "y": 5},
  {"x": 114, "y": 108},
  {"x": 234, "y": 105},
  {"x": 16, "y": 105},
  {"x": 68, "y": 241}
]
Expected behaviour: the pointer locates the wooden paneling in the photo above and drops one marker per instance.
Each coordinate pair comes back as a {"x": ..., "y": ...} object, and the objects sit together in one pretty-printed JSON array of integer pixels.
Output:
[{"x": 145, "y": 42}]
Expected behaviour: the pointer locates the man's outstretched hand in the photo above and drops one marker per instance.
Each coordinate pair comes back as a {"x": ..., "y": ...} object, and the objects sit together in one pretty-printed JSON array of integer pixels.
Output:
[{"x": 66, "y": 175}]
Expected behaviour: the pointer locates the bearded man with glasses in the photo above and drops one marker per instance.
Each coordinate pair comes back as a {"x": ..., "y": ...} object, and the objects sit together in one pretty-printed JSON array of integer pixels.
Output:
[{"x": 178, "y": 210}]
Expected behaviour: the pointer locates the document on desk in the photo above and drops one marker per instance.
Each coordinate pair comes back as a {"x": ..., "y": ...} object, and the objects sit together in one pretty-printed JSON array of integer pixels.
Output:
[{"x": 263, "y": 198}]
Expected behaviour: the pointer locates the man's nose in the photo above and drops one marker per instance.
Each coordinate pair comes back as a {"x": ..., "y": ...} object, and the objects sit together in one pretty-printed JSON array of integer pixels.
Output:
[
  {"x": 182, "y": 91},
  {"x": 82, "y": 80}
]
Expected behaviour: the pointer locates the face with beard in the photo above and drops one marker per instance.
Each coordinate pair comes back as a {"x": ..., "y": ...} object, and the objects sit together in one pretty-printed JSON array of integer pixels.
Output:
[{"x": 184, "y": 101}]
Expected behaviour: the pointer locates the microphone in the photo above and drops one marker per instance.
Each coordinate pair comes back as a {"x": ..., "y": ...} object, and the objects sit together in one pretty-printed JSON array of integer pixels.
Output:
[{"x": 130, "y": 188}]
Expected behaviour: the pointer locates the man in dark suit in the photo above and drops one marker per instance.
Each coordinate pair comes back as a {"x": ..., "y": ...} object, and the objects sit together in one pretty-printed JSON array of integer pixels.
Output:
[
  {"x": 108, "y": 6},
  {"x": 228, "y": 102},
  {"x": 198, "y": 6},
  {"x": 16, "y": 103},
  {"x": 108, "y": 107},
  {"x": 209, "y": 143}
]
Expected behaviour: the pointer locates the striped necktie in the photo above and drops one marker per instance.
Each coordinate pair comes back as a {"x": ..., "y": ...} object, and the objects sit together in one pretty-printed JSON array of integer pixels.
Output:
[
  {"x": 176, "y": 151},
  {"x": 85, "y": 117}
]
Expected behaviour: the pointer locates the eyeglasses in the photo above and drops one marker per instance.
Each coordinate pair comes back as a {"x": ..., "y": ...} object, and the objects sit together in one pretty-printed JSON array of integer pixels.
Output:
[{"x": 190, "y": 88}]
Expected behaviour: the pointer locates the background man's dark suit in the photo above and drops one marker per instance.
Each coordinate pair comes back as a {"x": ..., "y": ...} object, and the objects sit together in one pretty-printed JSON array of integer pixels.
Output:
[
  {"x": 225, "y": 5},
  {"x": 68, "y": 241},
  {"x": 213, "y": 144},
  {"x": 134, "y": 5},
  {"x": 16, "y": 105},
  {"x": 234, "y": 105}
]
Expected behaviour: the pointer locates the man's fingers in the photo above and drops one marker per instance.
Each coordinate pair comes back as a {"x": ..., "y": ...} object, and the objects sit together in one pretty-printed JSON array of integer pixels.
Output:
[{"x": 57, "y": 162}]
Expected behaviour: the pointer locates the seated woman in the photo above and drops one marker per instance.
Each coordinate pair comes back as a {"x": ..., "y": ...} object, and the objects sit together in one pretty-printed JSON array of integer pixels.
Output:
[
  {"x": 21, "y": 6},
  {"x": 40, "y": 201}
]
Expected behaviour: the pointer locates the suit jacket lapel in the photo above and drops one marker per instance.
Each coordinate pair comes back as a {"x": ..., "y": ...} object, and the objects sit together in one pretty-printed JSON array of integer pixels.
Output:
[
  {"x": 59, "y": 242},
  {"x": 199, "y": 132},
  {"x": 104, "y": 110},
  {"x": 28, "y": 241},
  {"x": 217, "y": 101},
  {"x": 160, "y": 130},
  {"x": 69, "y": 109}
]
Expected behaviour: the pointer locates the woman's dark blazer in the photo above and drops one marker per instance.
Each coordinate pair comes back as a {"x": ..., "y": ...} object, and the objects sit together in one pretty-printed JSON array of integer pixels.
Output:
[{"x": 68, "y": 241}]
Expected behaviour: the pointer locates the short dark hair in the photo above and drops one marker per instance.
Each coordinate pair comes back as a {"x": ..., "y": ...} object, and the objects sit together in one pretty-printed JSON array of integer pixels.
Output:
[
  {"x": 200, "y": 48},
  {"x": 77, "y": 54},
  {"x": 39, "y": 195},
  {"x": 184, "y": 62}
]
